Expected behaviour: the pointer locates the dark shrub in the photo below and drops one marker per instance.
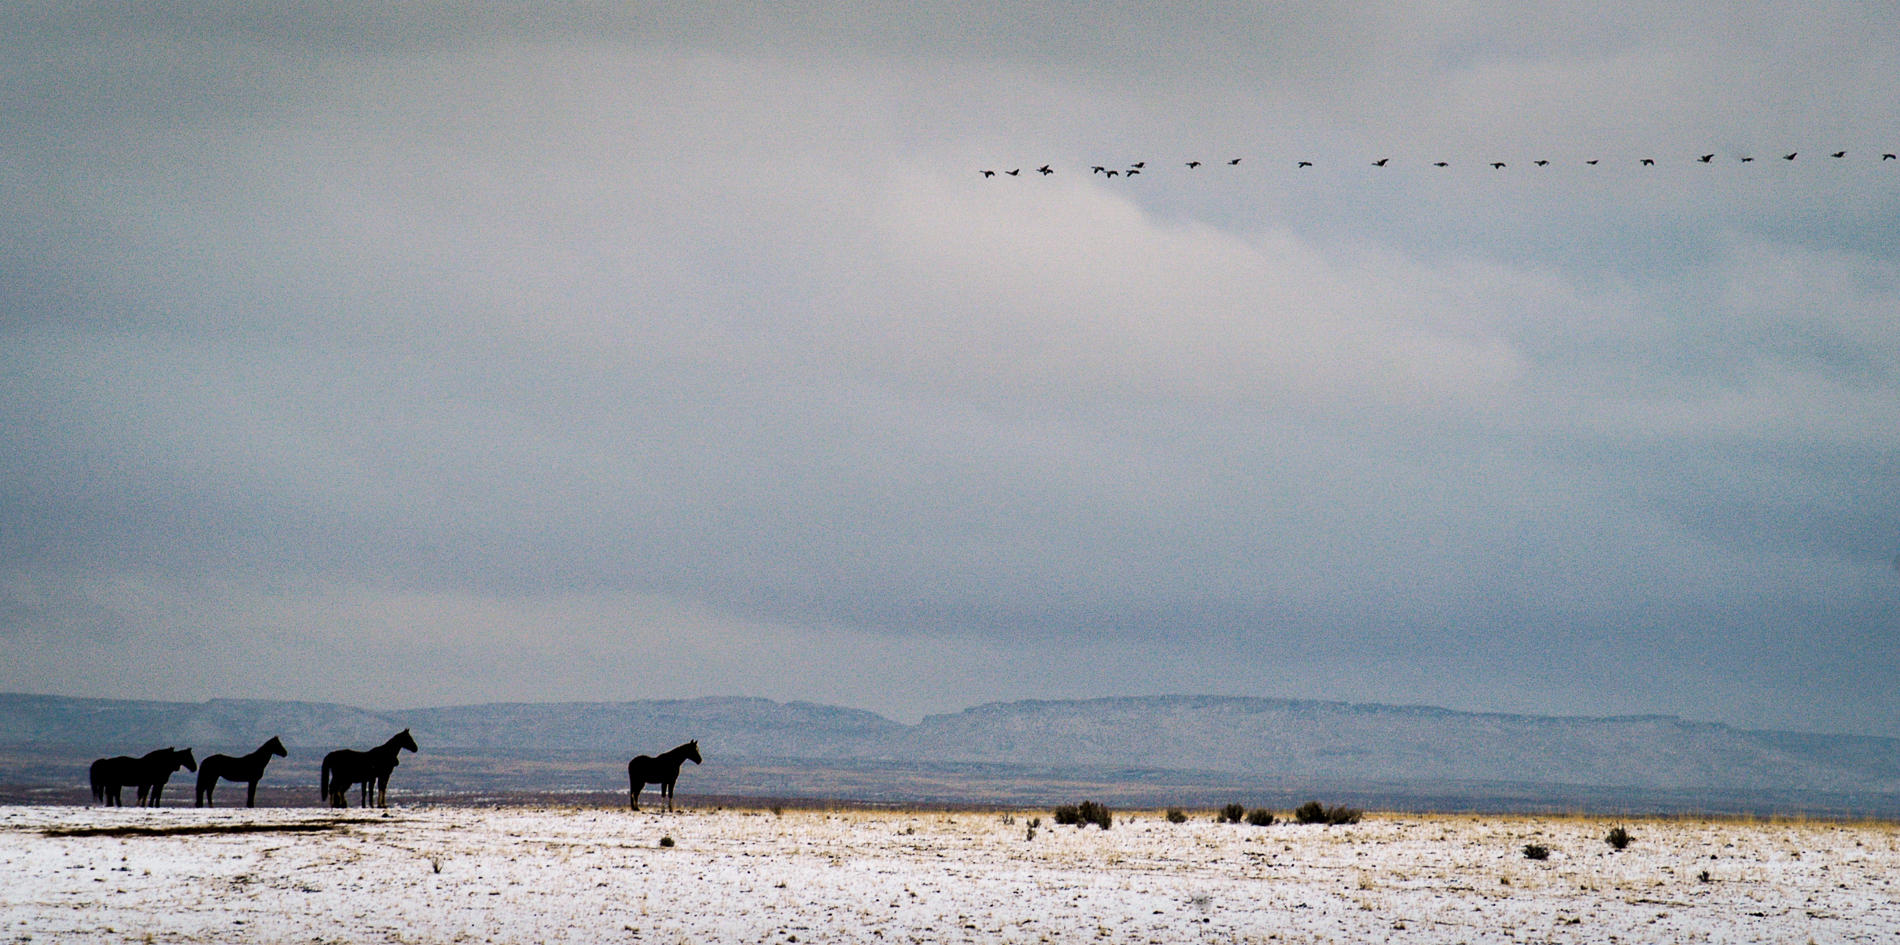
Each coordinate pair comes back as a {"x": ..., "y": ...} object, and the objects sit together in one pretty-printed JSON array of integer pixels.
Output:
[
  {"x": 1085, "y": 813},
  {"x": 1312, "y": 812},
  {"x": 1260, "y": 817},
  {"x": 666, "y": 841},
  {"x": 1536, "y": 851},
  {"x": 1175, "y": 816},
  {"x": 1231, "y": 814},
  {"x": 1618, "y": 838}
]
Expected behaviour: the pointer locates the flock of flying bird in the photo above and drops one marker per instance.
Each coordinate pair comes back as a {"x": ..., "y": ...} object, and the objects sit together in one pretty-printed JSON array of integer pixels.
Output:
[{"x": 1138, "y": 167}]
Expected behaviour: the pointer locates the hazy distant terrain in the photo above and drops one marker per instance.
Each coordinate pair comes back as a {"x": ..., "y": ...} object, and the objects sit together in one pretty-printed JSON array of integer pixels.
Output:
[{"x": 1140, "y": 749}]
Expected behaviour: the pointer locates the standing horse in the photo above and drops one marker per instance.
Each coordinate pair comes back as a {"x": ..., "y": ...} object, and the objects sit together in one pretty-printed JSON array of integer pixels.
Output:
[
  {"x": 663, "y": 771},
  {"x": 249, "y": 769},
  {"x": 343, "y": 767},
  {"x": 155, "y": 769},
  {"x": 111, "y": 774},
  {"x": 147, "y": 773}
]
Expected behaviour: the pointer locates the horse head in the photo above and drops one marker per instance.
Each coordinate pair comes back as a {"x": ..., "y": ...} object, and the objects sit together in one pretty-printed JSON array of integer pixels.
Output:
[
  {"x": 184, "y": 758},
  {"x": 692, "y": 751},
  {"x": 276, "y": 747},
  {"x": 404, "y": 740}
]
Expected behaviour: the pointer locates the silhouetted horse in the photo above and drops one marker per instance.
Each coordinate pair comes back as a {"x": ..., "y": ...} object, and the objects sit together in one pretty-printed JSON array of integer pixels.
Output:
[
  {"x": 108, "y": 776},
  {"x": 663, "y": 771},
  {"x": 249, "y": 769},
  {"x": 153, "y": 772},
  {"x": 343, "y": 767},
  {"x": 148, "y": 773}
]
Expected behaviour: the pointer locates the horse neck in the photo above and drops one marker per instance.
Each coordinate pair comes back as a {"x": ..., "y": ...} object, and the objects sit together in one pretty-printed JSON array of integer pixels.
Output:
[{"x": 679, "y": 754}]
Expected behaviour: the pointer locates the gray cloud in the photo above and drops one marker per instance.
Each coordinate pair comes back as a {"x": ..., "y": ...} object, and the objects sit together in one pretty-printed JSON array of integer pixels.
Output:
[{"x": 691, "y": 341}]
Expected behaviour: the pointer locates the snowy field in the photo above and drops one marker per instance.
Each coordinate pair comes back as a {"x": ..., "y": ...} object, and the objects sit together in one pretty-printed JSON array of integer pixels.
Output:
[{"x": 595, "y": 875}]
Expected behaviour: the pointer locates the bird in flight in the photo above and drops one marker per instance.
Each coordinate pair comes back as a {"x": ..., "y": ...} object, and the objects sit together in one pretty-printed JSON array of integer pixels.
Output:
[
  {"x": 1747, "y": 159},
  {"x": 1194, "y": 164},
  {"x": 1133, "y": 171},
  {"x": 1887, "y": 157},
  {"x": 1304, "y": 164},
  {"x": 1541, "y": 163},
  {"x": 1592, "y": 162},
  {"x": 1111, "y": 173},
  {"x": 1838, "y": 154},
  {"x": 1138, "y": 165},
  {"x": 1440, "y": 164},
  {"x": 1380, "y": 162},
  {"x": 1014, "y": 172},
  {"x": 989, "y": 173},
  {"x": 1649, "y": 162},
  {"x": 1097, "y": 169},
  {"x": 1497, "y": 165},
  {"x": 1045, "y": 170},
  {"x": 1790, "y": 155},
  {"x": 1706, "y": 158},
  {"x": 1233, "y": 162}
]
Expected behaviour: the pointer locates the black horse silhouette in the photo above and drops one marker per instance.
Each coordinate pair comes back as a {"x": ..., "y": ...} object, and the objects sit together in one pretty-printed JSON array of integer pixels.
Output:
[
  {"x": 344, "y": 767},
  {"x": 147, "y": 773},
  {"x": 249, "y": 769},
  {"x": 663, "y": 771}
]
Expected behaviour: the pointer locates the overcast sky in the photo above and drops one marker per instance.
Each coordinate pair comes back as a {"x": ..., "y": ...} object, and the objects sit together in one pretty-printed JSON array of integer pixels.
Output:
[{"x": 417, "y": 354}]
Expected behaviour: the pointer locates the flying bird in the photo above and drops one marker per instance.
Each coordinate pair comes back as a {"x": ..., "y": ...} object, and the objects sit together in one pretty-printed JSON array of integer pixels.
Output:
[
  {"x": 1649, "y": 162},
  {"x": 1440, "y": 164},
  {"x": 1838, "y": 154},
  {"x": 1706, "y": 158},
  {"x": 1133, "y": 171},
  {"x": 1194, "y": 164},
  {"x": 1887, "y": 157},
  {"x": 1497, "y": 165},
  {"x": 1045, "y": 170},
  {"x": 1111, "y": 173},
  {"x": 989, "y": 173},
  {"x": 1380, "y": 162},
  {"x": 1014, "y": 172},
  {"x": 1138, "y": 165},
  {"x": 1592, "y": 162},
  {"x": 1540, "y": 163},
  {"x": 1747, "y": 159},
  {"x": 1304, "y": 164},
  {"x": 1233, "y": 162},
  {"x": 1097, "y": 169},
  {"x": 1790, "y": 155}
]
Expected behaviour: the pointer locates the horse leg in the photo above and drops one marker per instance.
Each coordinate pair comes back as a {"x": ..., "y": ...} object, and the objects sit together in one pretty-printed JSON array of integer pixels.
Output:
[
  {"x": 382, "y": 792},
  {"x": 634, "y": 795},
  {"x": 250, "y": 794}
]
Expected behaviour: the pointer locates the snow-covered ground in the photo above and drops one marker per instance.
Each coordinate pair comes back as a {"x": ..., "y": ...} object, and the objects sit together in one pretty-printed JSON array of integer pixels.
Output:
[{"x": 594, "y": 875}]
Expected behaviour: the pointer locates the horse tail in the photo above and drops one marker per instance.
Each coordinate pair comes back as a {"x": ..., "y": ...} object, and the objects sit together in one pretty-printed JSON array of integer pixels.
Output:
[
  {"x": 207, "y": 779},
  {"x": 98, "y": 783},
  {"x": 323, "y": 781}
]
